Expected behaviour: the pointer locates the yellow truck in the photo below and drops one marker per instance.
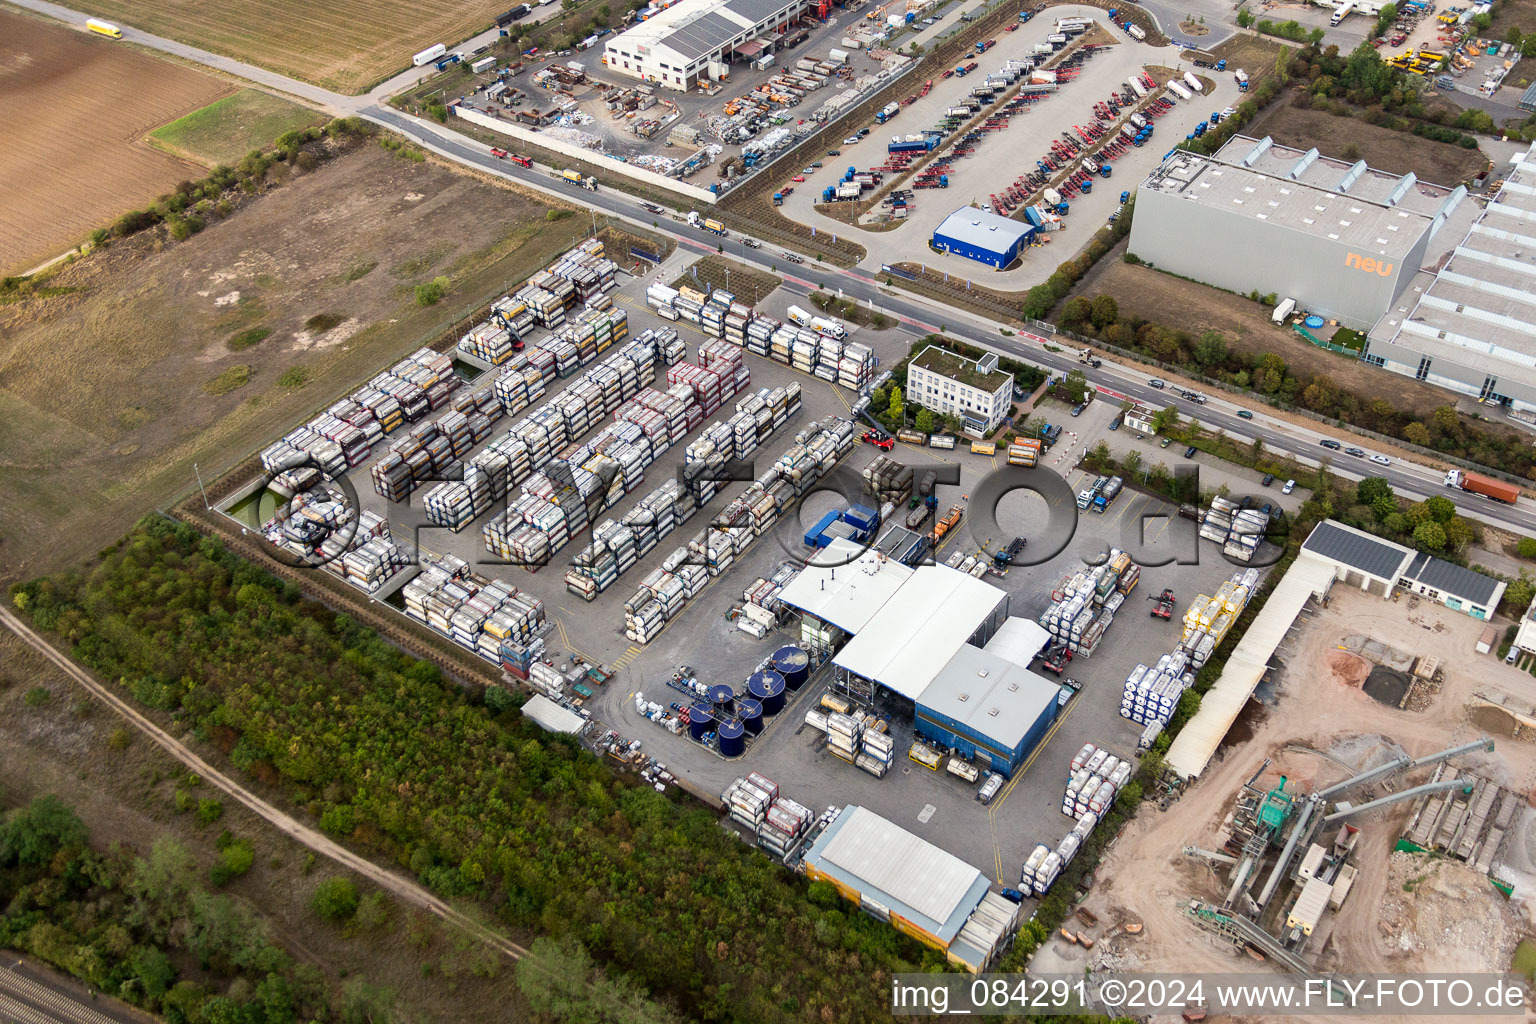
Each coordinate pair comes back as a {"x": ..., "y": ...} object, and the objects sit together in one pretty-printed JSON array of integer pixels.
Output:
[
  {"x": 574, "y": 177},
  {"x": 104, "y": 28},
  {"x": 715, "y": 226}
]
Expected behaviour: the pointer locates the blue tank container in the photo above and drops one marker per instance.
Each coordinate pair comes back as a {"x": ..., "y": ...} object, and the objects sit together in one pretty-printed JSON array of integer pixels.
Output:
[
  {"x": 751, "y": 712},
  {"x": 793, "y": 664},
  {"x": 732, "y": 739},
  {"x": 768, "y": 688},
  {"x": 701, "y": 718}
]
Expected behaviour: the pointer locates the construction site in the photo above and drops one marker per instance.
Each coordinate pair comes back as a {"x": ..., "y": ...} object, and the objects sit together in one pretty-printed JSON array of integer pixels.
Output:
[{"x": 1345, "y": 825}]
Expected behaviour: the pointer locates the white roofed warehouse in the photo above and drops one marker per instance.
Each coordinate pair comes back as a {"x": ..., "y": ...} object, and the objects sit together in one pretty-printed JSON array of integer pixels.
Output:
[
  {"x": 919, "y": 889},
  {"x": 674, "y": 48}
]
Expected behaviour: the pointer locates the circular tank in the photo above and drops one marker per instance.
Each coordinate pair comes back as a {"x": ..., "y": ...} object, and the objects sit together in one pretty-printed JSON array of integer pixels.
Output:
[
  {"x": 1313, "y": 322},
  {"x": 732, "y": 739},
  {"x": 751, "y": 712},
  {"x": 768, "y": 687},
  {"x": 720, "y": 693},
  {"x": 701, "y": 718},
  {"x": 793, "y": 664}
]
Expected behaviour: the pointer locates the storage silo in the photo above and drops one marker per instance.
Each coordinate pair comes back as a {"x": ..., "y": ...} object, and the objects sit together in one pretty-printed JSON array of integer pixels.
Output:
[
  {"x": 720, "y": 694},
  {"x": 793, "y": 664},
  {"x": 701, "y": 718},
  {"x": 768, "y": 687},
  {"x": 732, "y": 739},
  {"x": 751, "y": 711}
]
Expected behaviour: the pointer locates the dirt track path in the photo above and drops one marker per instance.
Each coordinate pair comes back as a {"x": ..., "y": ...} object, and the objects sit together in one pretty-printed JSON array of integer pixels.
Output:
[{"x": 403, "y": 888}]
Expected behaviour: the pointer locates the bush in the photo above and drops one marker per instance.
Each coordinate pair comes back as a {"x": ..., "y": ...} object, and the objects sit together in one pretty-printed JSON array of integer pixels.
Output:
[
  {"x": 428, "y": 294},
  {"x": 1526, "y": 548},
  {"x": 38, "y": 696},
  {"x": 235, "y": 859},
  {"x": 294, "y": 377},
  {"x": 335, "y": 898},
  {"x": 209, "y": 811},
  {"x": 232, "y": 379},
  {"x": 246, "y": 338}
]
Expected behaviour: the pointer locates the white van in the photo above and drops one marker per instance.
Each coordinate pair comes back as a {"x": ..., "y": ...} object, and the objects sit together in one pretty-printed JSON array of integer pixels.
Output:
[
  {"x": 831, "y": 328},
  {"x": 800, "y": 316}
]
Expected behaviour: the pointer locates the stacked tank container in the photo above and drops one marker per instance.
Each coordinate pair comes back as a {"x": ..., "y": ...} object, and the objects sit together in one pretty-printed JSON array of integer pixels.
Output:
[
  {"x": 747, "y": 801},
  {"x": 887, "y": 480},
  {"x": 844, "y": 734},
  {"x": 877, "y": 750},
  {"x": 494, "y": 613}
]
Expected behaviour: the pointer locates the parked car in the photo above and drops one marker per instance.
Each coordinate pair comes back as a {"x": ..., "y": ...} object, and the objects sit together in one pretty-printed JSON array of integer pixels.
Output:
[
  {"x": 1114, "y": 425},
  {"x": 834, "y": 152},
  {"x": 1356, "y": 452},
  {"x": 1156, "y": 383},
  {"x": 1008, "y": 894},
  {"x": 851, "y": 140},
  {"x": 1077, "y": 410},
  {"x": 1269, "y": 478},
  {"x": 1381, "y": 460},
  {"x": 1268, "y": 510},
  {"x": 1246, "y": 503},
  {"x": 1165, "y": 442},
  {"x": 1514, "y": 652},
  {"x": 1244, "y": 414},
  {"x": 1290, "y": 485},
  {"x": 1329, "y": 442},
  {"x": 798, "y": 178},
  {"x": 1189, "y": 452},
  {"x": 751, "y": 243}
]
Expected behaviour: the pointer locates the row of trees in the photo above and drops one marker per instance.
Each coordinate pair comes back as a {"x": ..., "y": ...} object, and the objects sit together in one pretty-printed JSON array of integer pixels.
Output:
[
  {"x": 144, "y": 928},
  {"x": 393, "y": 759}
]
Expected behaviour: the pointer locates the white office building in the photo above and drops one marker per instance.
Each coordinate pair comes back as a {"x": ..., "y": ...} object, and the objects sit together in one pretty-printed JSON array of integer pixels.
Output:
[
  {"x": 694, "y": 39},
  {"x": 976, "y": 391}
]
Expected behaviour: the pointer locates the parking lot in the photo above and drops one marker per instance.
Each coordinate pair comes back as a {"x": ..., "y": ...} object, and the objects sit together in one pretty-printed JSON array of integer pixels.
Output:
[
  {"x": 1002, "y": 156},
  {"x": 937, "y": 805}
]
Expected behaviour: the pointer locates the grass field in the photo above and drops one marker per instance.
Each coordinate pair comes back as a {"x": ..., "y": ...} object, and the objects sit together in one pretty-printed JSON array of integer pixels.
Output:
[
  {"x": 200, "y": 352},
  {"x": 227, "y": 129},
  {"x": 347, "y": 46},
  {"x": 1398, "y": 152},
  {"x": 74, "y": 122}
]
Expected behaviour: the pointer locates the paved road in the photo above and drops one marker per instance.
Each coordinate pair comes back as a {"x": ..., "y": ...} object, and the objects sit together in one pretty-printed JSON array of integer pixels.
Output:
[
  {"x": 405, "y": 889},
  {"x": 919, "y": 314},
  {"x": 32, "y": 995}
]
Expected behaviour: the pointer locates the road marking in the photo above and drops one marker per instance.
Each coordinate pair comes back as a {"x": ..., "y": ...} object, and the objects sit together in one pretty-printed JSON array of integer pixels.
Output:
[{"x": 629, "y": 655}]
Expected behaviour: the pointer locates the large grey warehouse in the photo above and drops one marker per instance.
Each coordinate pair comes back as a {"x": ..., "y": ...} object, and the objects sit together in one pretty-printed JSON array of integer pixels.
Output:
[
  {"x": 1342, "y": 239},
  {"x": 1465, "y": 322}
]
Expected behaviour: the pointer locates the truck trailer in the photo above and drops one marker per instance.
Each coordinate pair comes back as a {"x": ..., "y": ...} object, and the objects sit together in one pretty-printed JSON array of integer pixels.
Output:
[
  {"x": 429, "y": 55},
  {"x": 1488, "y": 487}
]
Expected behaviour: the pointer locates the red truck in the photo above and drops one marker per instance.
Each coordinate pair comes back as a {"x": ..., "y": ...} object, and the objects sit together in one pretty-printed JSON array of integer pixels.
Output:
[
  {"x": 1479, "y": 484},
  {"x": 499, "y": 154},
  {"x": 521, "y": 161}
]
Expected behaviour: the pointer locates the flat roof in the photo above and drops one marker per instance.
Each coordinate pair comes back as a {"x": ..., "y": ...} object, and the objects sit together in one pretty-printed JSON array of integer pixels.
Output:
[
  {"x": 975, "y": 226},
  {"x": 948, "y": 364},
  {"x": 845, "y": 584},
  {"x": 545, "y": 712},
  {"x": 990, "y": 695},
  {"x": 693, "y": 28},
  {"x": 1477, "y": 304},
  {"x": 1360, "y": 223},
  {"x": 914, "y": 634},
  {"x": 1332, "y": 174},
  {"x": 1450, "y": 578},
  {"x": 909, "y": 876},
  {"x": 1018, "y": 639},
  {"x": 1357, "y": 549}
]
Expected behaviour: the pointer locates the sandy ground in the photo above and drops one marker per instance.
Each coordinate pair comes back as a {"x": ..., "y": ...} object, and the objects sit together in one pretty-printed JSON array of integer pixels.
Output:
[{"x": 1318, "y": 704}]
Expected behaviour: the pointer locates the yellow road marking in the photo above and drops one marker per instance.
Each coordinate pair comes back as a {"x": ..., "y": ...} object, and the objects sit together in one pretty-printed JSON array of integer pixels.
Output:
[{"x": 1007, "y": 790}]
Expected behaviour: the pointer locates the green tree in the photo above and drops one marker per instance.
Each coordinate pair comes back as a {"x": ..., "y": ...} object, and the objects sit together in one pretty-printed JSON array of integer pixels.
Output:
[
  {"x": 1445, "y": 420},
  {"x": 1429, "y": 536},
  {"x": 1418, "y": 514},
  {"x": 1166, "y": 419},
  {"x": 1519, "y": 592},
  {"x": 1416, "y": 433},
  {"x": 1367, "y": 491},
  {"x": 1459, "y": 532},
  {"x": 31, "y": 835},
  {"x": 1105, "y": 311},
  {"x": 1076, "y": 312},
  {"x": 1441, "y": 508},
  {"x": 1131, "y": 464},
  {"x": 924, "y": 421},
  {"x": 235, "y": 860},
  {"x": 897, "y": 408},
  {"x": 1077, "y": 386},
  {"x": 1526, "y": 547},
  {"x": 1211, "y": 349},
  {"x": 160, "y": 887},
  {"x": 335, "y": 898},
  {"x": 1396, "y": 524},
  {"x": 1383, "y": 507}
]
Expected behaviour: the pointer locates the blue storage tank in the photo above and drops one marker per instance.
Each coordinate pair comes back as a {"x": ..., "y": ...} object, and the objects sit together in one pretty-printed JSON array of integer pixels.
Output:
[
  {"x": 768, "y": 687},
  {"x": 720, "y": 693},
  {"x": 701, "y": 718},
  {"x": 751, "y": 713},
  {"x": 793, "y": 664},
  {"x": 733, "y": 741}
]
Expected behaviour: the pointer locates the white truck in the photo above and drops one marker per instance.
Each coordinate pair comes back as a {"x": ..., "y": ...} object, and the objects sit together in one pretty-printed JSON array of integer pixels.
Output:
[
  {"x": 429, "y": 55},
  {"x": 829, "y": 327},
  {"x": 1137, "y": 33},
  {"x": 1193, "y": 81},
  {"x": 1283, "y": 310}
]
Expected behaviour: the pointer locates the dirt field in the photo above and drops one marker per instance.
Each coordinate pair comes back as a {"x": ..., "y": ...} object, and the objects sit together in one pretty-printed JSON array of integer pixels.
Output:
[
  {"x": 62, "y": 747},
  {"x": 1398, "y": 152},
  {"x": 75, "y": 110},
  {"x": 1195, "y": 308},
  {"x": 226, "y": 130},
  {"x": 1451, "y": 919},
  {"x": 345, "y": 46},
  {"x": 103, "y": 408}
]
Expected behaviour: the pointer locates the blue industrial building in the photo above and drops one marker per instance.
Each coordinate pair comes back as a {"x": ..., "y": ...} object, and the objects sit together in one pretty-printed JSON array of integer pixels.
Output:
[
  {"x": 987, "y": 708},
  {"x": 982, "y": 236}
]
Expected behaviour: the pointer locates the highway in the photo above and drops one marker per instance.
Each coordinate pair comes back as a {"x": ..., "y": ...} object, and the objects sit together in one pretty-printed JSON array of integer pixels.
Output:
[{"x": 918, "y": 314}]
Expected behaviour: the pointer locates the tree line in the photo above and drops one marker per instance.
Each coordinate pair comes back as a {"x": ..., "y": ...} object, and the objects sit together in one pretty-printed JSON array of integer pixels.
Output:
[{"x": 480, "y": 806}]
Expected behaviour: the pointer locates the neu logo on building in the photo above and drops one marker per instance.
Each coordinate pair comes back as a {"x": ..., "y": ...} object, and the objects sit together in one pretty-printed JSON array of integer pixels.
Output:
[{"x": 1368, "y": 264}]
